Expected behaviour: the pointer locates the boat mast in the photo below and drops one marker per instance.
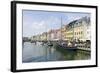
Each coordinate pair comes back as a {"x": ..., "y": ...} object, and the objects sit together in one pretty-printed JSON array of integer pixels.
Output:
[{"x": 61, "y": 29}]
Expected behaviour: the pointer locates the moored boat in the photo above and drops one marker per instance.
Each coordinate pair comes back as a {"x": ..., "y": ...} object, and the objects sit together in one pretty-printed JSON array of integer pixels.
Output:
[
  {"x": 67, "y": 46},
  {"x": 50, "y": 44}
]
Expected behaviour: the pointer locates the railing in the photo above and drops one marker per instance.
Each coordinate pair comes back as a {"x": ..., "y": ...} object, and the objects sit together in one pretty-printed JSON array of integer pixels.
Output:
[{"x": 84, "y": 47}]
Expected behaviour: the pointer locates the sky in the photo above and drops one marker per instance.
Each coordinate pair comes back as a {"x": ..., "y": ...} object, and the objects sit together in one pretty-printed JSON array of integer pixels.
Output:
[{"x": 37, "y": 22}]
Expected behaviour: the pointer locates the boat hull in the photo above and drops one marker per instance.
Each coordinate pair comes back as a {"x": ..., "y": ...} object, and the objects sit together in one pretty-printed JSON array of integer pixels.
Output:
[{"x": 67, "y": 47}]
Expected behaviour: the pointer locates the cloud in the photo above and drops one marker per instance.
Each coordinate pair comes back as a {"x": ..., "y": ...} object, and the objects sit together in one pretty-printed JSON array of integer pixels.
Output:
[
  {"x": 38, "y": 25},
  {"x": 53, "y": 23},
  {"x": 45, "y": 25}
]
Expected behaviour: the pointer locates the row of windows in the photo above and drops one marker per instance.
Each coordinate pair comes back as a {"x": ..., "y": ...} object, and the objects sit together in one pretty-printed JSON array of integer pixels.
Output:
[
  {"x": 69, "y": 33},
  {"x": 78, "y": 37},
  {"x": 78, "y": 29},
  {"x": 78, "y": 25},
  {"x": 78, "y": 33},
  {"x": 69, "y": 38}
]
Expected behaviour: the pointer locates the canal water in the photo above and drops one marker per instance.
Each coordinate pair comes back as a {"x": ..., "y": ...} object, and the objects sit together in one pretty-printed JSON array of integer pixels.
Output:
[{"x": 32, "y": 52}]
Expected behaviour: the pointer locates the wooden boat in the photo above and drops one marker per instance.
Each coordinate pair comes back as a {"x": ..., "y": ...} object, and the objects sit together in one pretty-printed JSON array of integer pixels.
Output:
[
  {"x": 67, "y": 47},
  {"x": 49, "y": 44}
]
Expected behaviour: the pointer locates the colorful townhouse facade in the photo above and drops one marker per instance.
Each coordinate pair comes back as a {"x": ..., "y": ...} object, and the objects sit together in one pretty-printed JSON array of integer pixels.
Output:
[{"x": 79, "y": 29}]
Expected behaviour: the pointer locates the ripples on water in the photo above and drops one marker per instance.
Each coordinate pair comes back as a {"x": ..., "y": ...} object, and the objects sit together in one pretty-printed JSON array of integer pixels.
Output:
[{"x": 41, "y": 53}]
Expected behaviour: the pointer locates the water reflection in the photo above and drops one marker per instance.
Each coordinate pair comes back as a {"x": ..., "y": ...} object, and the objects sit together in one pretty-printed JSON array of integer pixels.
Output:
[{"x": 41, "y": 53}]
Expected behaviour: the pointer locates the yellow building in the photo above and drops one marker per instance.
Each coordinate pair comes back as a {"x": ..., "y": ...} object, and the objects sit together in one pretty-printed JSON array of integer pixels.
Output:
[
  {"x": 63, "y": 32},
  {"x": 70, "y": 31},
  {"x": 44, "y": 36},
  {"x": 79, "y": 31}
]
